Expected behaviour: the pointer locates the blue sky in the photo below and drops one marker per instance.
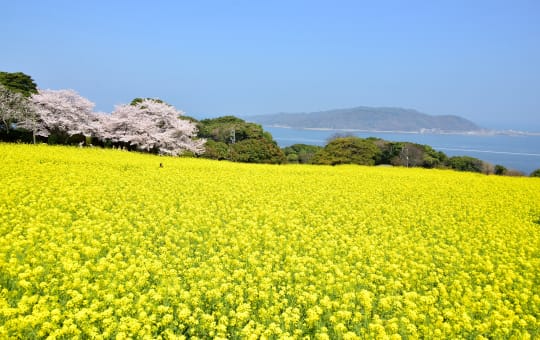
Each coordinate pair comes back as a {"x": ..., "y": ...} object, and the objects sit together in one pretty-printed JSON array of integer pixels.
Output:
[{"x": 476, "y": 59}]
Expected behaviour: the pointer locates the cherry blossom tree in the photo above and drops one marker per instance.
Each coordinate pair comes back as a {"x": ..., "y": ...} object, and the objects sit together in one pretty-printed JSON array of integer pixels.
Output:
[
  {"x": 63, "y": 112},
  {"x": 147, "y": 124},
  {"x": 152, "y": 125}
]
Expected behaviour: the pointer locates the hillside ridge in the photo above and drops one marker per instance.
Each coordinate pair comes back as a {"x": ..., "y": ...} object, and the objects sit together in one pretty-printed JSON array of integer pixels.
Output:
[{"x": 368, "y": 118}]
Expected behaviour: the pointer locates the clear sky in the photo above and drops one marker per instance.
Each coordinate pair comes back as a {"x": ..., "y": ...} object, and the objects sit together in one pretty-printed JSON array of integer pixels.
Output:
[{"x": 476, "y": 59}]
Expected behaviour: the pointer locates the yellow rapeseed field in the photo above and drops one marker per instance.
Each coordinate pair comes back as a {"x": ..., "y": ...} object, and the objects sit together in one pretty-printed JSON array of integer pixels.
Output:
[{"x": 102, "y": 244}]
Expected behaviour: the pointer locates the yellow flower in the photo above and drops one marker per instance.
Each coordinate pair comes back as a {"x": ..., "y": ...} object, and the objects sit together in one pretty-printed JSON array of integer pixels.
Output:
[{"x": 98, "y": 244}]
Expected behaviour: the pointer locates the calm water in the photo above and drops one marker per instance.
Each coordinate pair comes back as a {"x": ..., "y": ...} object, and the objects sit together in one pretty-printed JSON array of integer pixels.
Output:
[{"x": 514, "y": 152}]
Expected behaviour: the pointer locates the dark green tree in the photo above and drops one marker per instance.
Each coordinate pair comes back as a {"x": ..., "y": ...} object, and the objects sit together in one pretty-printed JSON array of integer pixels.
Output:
[
  {"x": 535, "y": 173},
  {"x": 390, "y": 152},
  {"x": 433, "y": 158},
  {"x": 292, "y": 158},
  {"x": 409, "y": 154},
  {"x": 18, "y": 82},
  {"x": 257, "y": 151},
  {"x": 465, "y": 163},
  {"x": 300, "y": 153},
  {"x": 139, "y": 100},
  {"x": 348, "y": 150},
  {"x": 500, "y": 170},
  {"x": 234, "y": 139},
  {"x": 216, "y": 150}
]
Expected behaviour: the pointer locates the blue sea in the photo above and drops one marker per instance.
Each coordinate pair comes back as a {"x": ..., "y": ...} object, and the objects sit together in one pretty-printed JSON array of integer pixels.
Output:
[{"x": 518, "y": 152}]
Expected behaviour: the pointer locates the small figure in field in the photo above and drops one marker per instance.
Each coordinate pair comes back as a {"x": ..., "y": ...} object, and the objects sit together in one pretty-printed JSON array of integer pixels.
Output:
[{"x": 161, "y": 165}]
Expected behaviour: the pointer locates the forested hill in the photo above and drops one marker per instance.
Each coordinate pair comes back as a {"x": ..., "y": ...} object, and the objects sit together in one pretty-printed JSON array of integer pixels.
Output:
[{"x": 367, "y": 118}]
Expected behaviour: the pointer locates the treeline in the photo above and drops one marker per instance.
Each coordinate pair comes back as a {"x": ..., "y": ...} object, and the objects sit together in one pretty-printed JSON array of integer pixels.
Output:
[
  {"x": 231, "y": 138},
  {"x": 151, "y": 125},
  {"x": 376, "y": 151},
  {"x": 29, "y": 114},
  {"x": 64, "y": 117}
]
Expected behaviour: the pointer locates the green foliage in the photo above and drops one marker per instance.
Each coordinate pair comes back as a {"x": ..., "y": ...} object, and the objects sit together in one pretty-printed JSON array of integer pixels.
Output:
[
  {"x": 257, "y": 151},
  {"x": 232, "y": 138},
  {"x": 139, "y": 100},
  {"x": 189, "y": 119},
  {"x": 535, "y": 173},
  {"x": 223, "y": 120},
  {"x": 300, "y": 153},
  {"x": 292, "y": 158},
  {"x": 59, "y": 137},
  {"x": 390, "y": 152},
  {"x": 229, "y": 129},
  {"x": 216, "y": 150},
  {"x": 433, "y": 158},
  {"x": 348, "y": 150},
  {"x": 412, "y": 155},
  {"x": 500, "y": 170},
  {"x": 16, "y": 136},
  {"x": 465, "y": 163},
  {"x": 18, "y": 82},
  {"x": 409, "y": 154}
]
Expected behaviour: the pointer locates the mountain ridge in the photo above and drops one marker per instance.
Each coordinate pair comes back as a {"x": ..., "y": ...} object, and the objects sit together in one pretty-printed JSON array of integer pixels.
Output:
[{"x": 368, "y": 118}]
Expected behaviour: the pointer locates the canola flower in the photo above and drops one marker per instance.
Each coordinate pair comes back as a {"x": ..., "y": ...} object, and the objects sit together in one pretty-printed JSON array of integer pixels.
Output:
[{"x": 105, "y": 244}]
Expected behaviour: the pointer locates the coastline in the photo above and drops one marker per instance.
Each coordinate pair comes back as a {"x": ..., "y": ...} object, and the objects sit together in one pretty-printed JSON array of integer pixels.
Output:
[
  {"x": 483, "y": 132},
  {"x": 518, "y": 151}
]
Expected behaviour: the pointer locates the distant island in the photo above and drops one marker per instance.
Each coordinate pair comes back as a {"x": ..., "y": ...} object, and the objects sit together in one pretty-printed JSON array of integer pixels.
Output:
[{"x": 369, "y": 119}]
